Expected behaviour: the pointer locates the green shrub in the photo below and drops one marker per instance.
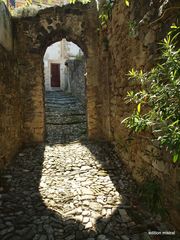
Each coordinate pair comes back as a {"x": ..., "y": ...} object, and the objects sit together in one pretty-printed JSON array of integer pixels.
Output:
[{"x": 158, "y": 100}]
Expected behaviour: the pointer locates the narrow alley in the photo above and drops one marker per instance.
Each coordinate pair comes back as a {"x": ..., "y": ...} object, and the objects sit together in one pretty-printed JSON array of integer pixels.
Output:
[
  {"x": 89, "y": 120},
  {"x": 70, "y": 188}
]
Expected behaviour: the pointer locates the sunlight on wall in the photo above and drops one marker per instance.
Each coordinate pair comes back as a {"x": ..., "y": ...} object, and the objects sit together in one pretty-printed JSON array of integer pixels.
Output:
[{"x": 59, "y": 53}]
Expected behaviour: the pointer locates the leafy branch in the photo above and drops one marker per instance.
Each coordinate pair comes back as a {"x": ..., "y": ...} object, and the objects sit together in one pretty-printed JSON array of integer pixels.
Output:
[
  {"x": 158, "y": 100},
  {"x": 105, "y": 12}
]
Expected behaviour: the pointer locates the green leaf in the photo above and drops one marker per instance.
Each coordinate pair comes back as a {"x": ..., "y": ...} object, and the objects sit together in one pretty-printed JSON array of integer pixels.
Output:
[
  {"x": 174, "y": 123},
  {"x": 139, "y": 108},
  {"x": 125, "y": 120},
  {"x": 132, "y": 73},
  {"x": 126, "y": 2},
  {"x": 174, "y": 26},
  {"x": 175, "y": 36},
  {"x": 175, "y": 157}
]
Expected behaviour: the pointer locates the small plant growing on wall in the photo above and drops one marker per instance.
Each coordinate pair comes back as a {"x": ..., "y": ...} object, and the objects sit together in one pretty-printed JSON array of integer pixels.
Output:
[
  {"x": 105, "y": 12},
  {"x": 158, "y": 100},
  {"x": 133, "y": 27},
  {"x": 151, "y": 194}
]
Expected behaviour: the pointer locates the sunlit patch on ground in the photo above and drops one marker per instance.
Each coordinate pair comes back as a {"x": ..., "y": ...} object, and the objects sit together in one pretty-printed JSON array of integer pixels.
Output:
[{"x": 70, "y": 189}]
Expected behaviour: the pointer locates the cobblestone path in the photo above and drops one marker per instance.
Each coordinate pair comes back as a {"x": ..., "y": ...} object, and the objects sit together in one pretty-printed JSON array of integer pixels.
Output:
[
  {"x": 65, "y": 118},
  {"x": 69, "y": 189}
]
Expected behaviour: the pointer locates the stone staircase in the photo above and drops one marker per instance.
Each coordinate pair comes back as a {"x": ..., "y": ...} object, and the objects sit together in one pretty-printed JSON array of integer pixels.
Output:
[{"x": 65, "y": 118}]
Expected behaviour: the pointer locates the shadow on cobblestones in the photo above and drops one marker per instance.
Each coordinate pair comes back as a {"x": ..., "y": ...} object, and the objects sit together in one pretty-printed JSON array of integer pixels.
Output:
[
  {"x": 71, "y": 190},
  {"x": 128, "y": 220},
  {"x": 42, "y": 203}
]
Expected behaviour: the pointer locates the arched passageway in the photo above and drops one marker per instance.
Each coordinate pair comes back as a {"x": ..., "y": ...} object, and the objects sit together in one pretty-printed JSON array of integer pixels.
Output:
[
  {"x": 73, "y": 191},
  {"x": 35, "y": 32},
  {"x": 65, "y": 93}
]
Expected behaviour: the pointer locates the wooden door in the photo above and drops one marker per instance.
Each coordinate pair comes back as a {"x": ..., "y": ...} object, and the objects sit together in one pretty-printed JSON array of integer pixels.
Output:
[{"x": 55, "y": 75}]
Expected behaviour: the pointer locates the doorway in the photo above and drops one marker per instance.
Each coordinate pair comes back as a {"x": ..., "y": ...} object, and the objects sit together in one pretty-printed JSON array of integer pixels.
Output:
[
  {"x": 65, "y": 93},
  {"x": 55, "y": 75}
]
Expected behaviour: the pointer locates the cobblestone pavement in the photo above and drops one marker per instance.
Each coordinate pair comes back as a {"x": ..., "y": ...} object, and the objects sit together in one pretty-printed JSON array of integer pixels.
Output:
[
  {"x": 69, "y": 189},
  {"x": 65, "y": 118}
]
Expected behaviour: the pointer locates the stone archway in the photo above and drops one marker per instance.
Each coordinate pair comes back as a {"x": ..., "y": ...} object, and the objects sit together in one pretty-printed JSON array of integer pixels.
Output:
[{"x": 34, "y": 33}]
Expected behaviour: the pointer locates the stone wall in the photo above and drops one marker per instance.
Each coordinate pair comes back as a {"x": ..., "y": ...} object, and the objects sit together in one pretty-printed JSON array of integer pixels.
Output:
[
  {"x": 10, "y": 107},
  {"x": 131, "y": 41},
  {"x": 5, "y": 28},
  {"x": 35, "y": 31},
  {"x": 75, "y": 75}
]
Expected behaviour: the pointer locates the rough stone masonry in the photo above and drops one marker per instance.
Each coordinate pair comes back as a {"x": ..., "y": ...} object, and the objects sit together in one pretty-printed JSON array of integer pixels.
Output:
[
  {"x": 71, "y": 189},
  {"x": 130, "y": 40}
]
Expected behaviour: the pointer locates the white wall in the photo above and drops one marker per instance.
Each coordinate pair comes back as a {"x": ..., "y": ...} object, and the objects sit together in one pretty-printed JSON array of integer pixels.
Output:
[
  {"x": 59, "y": 52},
  {"x": 73, "y": 50},
  {"x": 52, "y": 52}
]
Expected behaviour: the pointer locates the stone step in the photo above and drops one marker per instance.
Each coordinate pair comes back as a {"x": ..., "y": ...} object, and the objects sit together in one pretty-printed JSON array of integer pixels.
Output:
[{"x": 65, "y": 118}]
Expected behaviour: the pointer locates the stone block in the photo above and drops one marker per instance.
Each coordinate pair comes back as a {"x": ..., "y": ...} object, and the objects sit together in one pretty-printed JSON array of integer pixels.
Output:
[
  {"x": 150, "y": 37},
  {"x": 160, "y": 166}
]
